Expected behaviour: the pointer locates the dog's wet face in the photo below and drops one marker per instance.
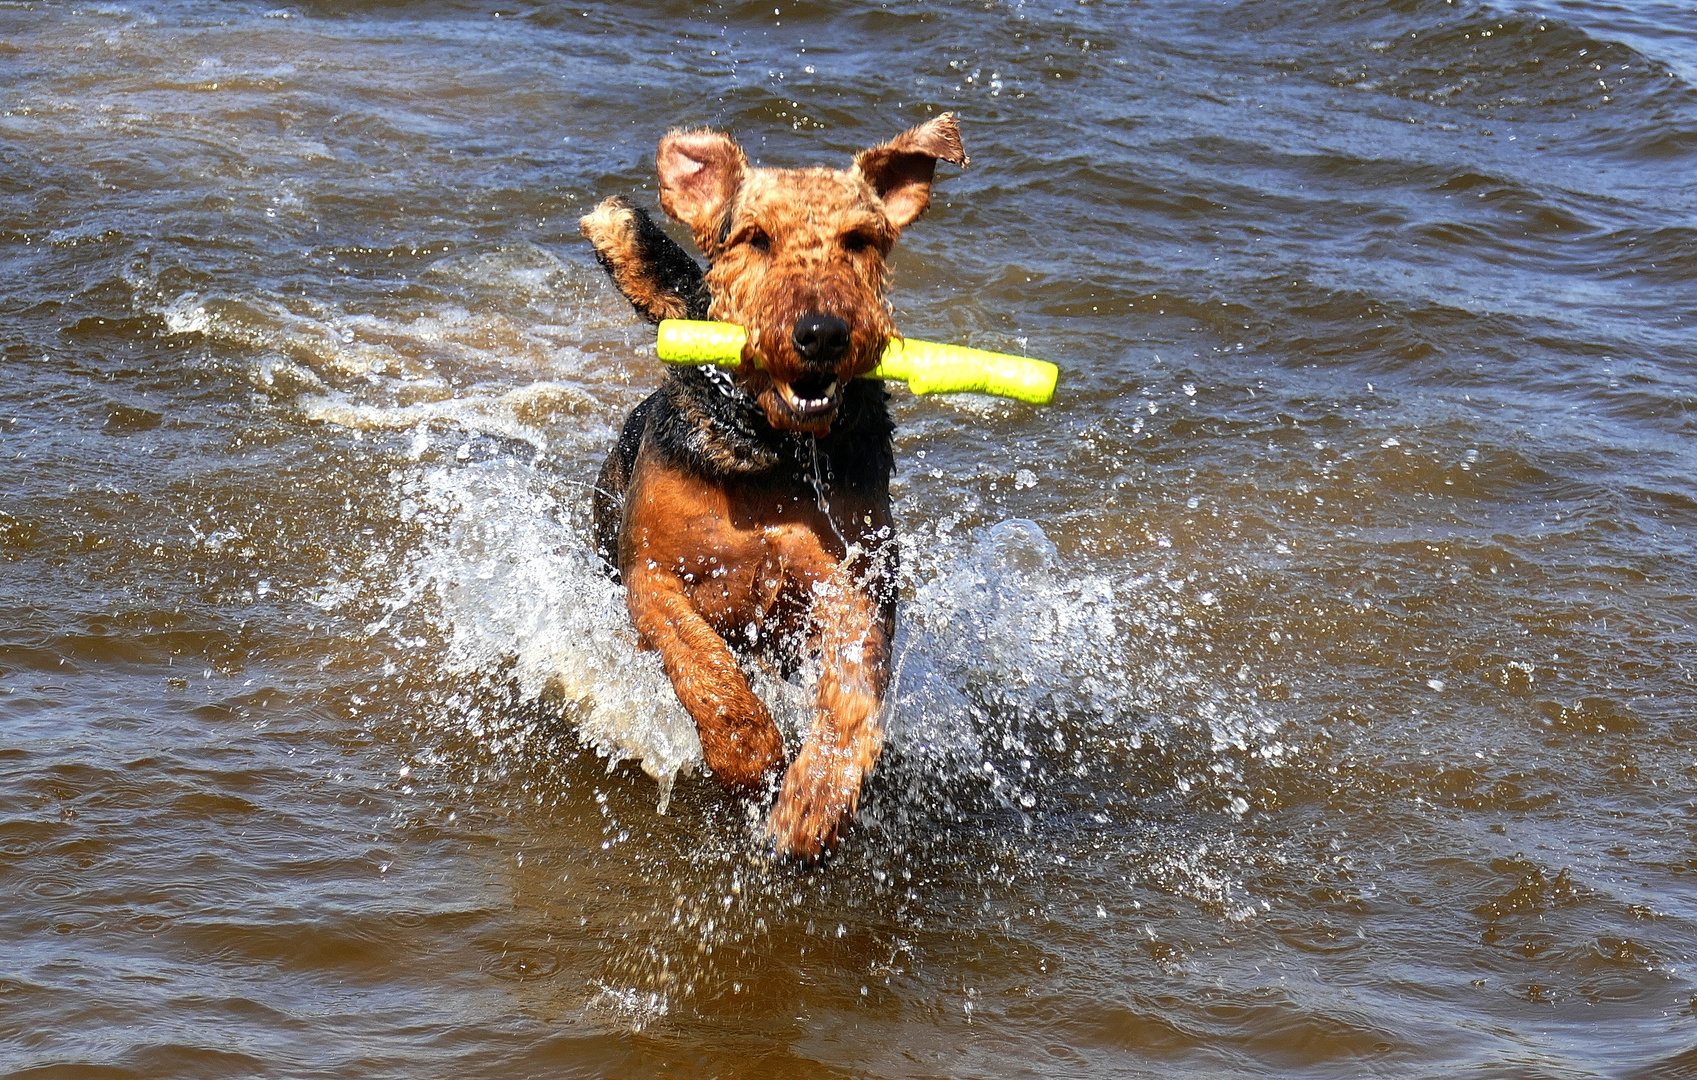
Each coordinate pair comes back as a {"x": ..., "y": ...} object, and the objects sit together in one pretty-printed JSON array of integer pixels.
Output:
[
  {"x": 802, "y": 269},
  {"x": 796, "y": 256}
]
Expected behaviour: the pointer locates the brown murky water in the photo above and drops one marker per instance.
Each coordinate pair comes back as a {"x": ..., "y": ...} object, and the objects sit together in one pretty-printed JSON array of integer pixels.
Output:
[{"x": 1308, "y": 692}]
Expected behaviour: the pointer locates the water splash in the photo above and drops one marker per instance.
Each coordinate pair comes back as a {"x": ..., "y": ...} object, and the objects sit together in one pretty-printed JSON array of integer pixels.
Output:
[{"x": 506, "y": 578}]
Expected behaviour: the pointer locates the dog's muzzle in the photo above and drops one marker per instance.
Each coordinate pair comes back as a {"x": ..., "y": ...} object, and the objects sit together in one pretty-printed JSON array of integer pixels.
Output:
[{"x": 821, "y": 342}]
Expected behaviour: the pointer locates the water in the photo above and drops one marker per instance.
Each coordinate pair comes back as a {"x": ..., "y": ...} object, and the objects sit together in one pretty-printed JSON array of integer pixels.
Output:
[{"x": 1308, "y": 692}]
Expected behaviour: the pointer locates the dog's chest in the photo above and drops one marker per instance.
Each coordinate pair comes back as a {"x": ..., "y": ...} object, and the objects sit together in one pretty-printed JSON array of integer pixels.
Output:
[{"x": 743, "y": 550}]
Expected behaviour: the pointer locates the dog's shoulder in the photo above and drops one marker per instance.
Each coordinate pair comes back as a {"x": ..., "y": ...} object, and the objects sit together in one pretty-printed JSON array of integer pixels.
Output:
[
  {"x": 703, "y": 424},
  {"x": 608, "y": 497}
]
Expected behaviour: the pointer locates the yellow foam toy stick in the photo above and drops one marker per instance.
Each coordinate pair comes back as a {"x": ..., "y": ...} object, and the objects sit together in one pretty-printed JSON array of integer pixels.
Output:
[{"x": 926, "y": 366}]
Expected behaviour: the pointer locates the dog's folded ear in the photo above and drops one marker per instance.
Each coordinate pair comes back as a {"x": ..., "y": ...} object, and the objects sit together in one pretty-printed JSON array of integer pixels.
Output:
[
  {"x": 659, "y": 278},
  {"x": 700, "y": 171},
  {"x": 901, "y": 170}
]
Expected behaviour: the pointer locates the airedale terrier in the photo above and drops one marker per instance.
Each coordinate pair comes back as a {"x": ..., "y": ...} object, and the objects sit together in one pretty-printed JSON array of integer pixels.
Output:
[{"x": 749, "y": 509}]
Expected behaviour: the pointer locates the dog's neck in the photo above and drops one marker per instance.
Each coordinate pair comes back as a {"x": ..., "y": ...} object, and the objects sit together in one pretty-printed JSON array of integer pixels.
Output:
[{"x": 714, "y": 428}]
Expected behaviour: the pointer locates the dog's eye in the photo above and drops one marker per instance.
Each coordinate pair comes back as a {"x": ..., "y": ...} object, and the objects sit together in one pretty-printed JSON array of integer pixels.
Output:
[
  {"x": 759, "y": 241},
  {"x": 856, "y": 242}
]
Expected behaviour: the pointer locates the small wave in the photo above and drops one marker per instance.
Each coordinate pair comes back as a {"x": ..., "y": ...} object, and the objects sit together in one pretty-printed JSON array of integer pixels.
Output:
[
  {"x": 522, "y": 415},
  {"x": 1508, "y": 64}
]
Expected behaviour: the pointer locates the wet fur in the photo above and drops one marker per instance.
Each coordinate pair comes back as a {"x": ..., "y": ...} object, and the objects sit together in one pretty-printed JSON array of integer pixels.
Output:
[{"x": 736, "y": 519}]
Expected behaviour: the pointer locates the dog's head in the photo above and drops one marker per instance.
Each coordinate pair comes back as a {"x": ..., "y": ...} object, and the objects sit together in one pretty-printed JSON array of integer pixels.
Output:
[{"x": 796, "y": 256}]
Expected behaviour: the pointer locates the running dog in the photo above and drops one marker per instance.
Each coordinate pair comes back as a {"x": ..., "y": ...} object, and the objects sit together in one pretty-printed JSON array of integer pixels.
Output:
[{"x": 748, "y": 510}]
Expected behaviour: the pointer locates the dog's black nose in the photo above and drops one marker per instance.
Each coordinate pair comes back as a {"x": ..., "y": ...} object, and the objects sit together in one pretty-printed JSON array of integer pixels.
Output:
[{"x": 820, "y": 339}]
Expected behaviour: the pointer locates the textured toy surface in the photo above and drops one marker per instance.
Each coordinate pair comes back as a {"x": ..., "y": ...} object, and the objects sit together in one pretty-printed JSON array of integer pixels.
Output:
[{"x": 926, "y": 366}]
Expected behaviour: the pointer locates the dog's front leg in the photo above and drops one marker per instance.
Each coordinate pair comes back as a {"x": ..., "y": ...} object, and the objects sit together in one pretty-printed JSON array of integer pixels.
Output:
[
  {"x": 740, "y": 741},
  {"x": 822, "y": 787}
]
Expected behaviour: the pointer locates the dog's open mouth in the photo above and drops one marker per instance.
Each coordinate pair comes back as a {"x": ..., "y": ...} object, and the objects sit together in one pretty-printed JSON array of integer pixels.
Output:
[{"x": 812, "y": 397}]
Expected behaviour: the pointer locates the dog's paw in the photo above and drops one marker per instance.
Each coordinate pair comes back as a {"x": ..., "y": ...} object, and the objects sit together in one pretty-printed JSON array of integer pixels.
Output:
[
  {"x": 745, "y": 758},
  {"x": 819, "y": 796},
  {"x": 658, "y": 277}
]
